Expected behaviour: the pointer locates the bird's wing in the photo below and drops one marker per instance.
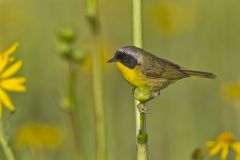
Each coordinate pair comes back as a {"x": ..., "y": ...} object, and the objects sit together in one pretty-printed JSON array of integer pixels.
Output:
[{"x": 154, "y": 67}]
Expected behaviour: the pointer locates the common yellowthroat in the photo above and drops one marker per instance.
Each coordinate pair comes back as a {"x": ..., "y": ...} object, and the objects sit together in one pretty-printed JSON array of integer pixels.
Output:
[{"x": 142, "y": 69}]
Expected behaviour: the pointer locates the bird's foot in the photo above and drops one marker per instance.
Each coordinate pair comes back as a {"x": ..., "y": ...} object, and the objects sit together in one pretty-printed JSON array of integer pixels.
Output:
[
  {"x": 154, "y": 94},
  {"x": 141, "y": 108}
]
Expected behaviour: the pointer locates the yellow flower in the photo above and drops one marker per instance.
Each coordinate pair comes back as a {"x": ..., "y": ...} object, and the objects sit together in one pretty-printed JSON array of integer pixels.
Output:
[
  {"x": 170, "y": 18},
  {"x": 173, "y": 19},
  {"x": 223, "y": 144},
  {"x": 7, "y": 82},
  {"x": 231, "y": 91},
  {"x": 38, "y": 136},
  {"x": 237, "y": 157}
]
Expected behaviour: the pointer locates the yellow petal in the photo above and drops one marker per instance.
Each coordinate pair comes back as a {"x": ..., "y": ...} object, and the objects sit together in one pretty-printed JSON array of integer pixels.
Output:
[
  {"x": 236, "y": 148},
  {"x": 6, "y": 101},
  {"x": 0, "y": 111},
  {"x": 11, "y": 49},
  {"x": 3, "y": 62},
  {"x": 16, "y": 88},
  {"x": 225, "y": 152},
  {"x": 237, "y": 157},
  {"x": 12, "y": 69},
  {"x": 215, "y": 149},
  {"x": 14, "y": 84},
  {"x": 11, "y": 59},
  {"x": 210, "y": 144},
  {"x": 15, "y": 80}
]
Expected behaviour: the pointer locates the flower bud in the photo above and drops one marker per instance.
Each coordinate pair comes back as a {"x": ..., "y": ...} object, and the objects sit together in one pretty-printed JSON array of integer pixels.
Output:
[
  {"x": 198, "y": 154},
  {"x": 78, "y": 56},
  {"x": 64, "y": 50},
  {"x": 66, "y": 34},
  {"x": 142, "y": 94}
]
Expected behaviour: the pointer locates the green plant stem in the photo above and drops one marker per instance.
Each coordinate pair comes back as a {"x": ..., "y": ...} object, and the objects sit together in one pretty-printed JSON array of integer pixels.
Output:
[
  {"x": 140, "y": 117},
  {"x": 142, "y": 138},
  {"x": 99, "y": 111},
  {"x": 6, "y": 149},
  {"x": 91, "y": 8},
  {"x": 72, "y": 78},
  {"x": 72, "y": 108},
  {"x": 97, "y": 81},
  {"x": 137, "y": 23}
]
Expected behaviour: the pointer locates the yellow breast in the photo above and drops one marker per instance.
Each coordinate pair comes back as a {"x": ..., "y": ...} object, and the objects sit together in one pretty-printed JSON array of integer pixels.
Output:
[{"x": 133, "y": 76}]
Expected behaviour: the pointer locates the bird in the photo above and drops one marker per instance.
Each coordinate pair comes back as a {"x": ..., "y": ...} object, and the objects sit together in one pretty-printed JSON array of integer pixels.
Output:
[{"x": 143, "y": 69}]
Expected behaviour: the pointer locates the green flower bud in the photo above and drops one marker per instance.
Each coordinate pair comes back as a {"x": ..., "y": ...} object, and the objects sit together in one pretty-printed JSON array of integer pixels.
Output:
[
  {"x": 66, "y": 103},
  {"x": 67, "y": 34},
  {"x": 142, "y": 94},
  {"x": 64, "y": 50},
  {"x": 78, "y": 56},
  {"x": 198, "y": 154},
  {"x": 91, "y": 11}
]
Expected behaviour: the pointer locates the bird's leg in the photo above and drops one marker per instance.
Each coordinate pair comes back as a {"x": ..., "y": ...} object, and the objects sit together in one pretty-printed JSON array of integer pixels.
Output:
[
  {"x": 142, "y": 108},
  {"x": 154, "y": 94},
  {"x": 141, "y": 105},
  {"x": 143, "y": 95}
]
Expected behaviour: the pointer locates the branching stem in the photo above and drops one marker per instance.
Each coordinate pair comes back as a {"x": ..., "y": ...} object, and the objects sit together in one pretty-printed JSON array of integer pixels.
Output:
[{"x": 6, "y": 149}]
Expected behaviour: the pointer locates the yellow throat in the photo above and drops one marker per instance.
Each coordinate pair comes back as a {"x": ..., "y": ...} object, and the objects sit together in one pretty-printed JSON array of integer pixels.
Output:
[{"x": 133, "y": 76}]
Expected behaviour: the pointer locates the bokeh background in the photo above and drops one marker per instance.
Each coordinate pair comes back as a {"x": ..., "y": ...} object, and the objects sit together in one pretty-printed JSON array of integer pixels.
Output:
[{"x": 197, "y": 34}]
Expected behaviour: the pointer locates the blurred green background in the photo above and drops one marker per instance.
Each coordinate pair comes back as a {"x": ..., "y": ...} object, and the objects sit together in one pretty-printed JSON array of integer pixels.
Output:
[{"x": 196, "y": 34}]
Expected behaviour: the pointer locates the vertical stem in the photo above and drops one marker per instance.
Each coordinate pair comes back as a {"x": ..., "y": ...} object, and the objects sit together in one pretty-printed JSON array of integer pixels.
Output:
[
  {"x": 72, "y": 110},
  {"x": 142, "y": 138},
  {"x": 73, "y": 122},
  {"x": 72, "y": 77},
  {"x": 140, "y": 117},
  {"x": 6, "y": 149},
  {"x": 99, "y": 112},
  {"x": 137, "y": 41},
  {"x": 137, "y": 23},
  {"x": 97, "y": 81}
]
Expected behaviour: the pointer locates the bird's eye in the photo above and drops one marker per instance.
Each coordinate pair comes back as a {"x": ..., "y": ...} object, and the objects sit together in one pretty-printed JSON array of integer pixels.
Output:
[{"x": 125, "y": 59}]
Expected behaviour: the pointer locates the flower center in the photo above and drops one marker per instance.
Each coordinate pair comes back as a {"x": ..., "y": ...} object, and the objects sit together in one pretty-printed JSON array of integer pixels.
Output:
[{"x": 227, "y": 137}]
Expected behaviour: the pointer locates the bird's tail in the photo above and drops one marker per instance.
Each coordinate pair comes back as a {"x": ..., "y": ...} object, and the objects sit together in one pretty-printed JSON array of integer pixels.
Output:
[{"x": 200, "y": 74}]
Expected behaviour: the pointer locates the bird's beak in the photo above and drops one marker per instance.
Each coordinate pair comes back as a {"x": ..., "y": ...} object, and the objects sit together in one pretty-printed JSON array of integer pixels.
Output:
[{"x": 112, "y": 60}]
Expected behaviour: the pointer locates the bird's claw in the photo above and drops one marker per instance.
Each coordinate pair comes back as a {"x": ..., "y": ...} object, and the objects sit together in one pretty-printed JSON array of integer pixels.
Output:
[
  {"x": 141, "y": 108},
  {"x": 155, "y": 94}
]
